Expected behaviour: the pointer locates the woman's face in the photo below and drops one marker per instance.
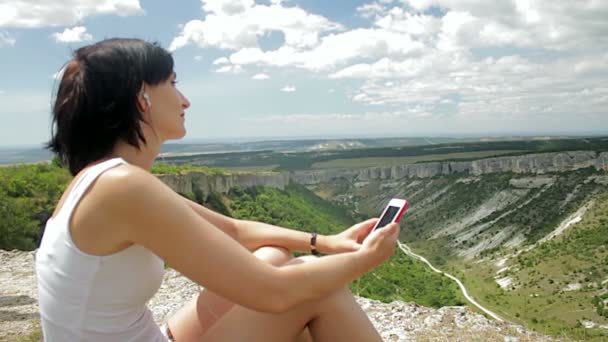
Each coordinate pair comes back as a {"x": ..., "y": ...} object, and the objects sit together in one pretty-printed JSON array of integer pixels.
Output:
[{"x": 166, "y": 109}]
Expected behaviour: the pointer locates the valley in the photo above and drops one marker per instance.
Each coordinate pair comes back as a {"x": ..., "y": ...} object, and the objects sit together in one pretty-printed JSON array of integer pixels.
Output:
[
  {"x": 523, "y": 224},
  {"x": 525, "y": 232},
  {"x": 529, "y": 246}
]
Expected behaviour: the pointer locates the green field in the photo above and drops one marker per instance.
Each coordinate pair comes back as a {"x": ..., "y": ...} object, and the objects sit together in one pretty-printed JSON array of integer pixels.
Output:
[
  {"x": 392, "y": 161},
  {"x": 252, "y": 168},
  {"x": 537, "y": 307},
  {"x": 456, "y": 150}
]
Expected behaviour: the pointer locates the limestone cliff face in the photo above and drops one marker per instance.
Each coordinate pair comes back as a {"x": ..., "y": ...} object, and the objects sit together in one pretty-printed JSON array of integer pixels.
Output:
[
  {"x": 537, "y": 163},
  {"x": 207, "y": 183},
  {"x": 602, "y": 161},
  {"x": 531, "y": 163}
]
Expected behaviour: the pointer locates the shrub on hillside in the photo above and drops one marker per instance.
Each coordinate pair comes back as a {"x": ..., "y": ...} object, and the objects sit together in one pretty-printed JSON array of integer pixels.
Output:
[{"x": 28, "y": 194}]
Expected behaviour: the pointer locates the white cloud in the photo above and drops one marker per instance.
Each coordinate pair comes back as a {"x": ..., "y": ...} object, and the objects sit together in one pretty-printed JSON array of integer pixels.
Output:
[
  {"x": 334, "y": 50},
  {"x": 370, "y": 123},
  {"x": 509, "y": 86},
  {"x": 472, "y": 57},
  {"x": 416, "y": 25},
  {"x": 288, "y": 89},
  {"x": 306, "y": 118},
  {"x": 226, "y": 68},
  {"x": 237, "y": 24},
  {"x": 198, "y": 58},
  {"x": 221, "y": 60},
  {"x": 260, "y": 77},
  {"x": 76, "y": 34},
  {"x": 371, "y": 10},
  {"x": 449, "y": 76},
  {"x": 560, "y": 25},
  {"x": 230, "y": 69},
  {"x": 6, "y": 39},
  {"x": 33, "y": 13}
]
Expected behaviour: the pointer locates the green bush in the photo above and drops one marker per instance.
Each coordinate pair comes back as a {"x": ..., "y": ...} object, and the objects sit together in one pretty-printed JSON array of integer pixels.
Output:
[
  {"x": 28, "y": 195},
  {"x": 401, "y": 278},
  {"x": 164, "y": 168},
  {"x": 406, "y": 279},
  {"x": 296, "y": 208}
]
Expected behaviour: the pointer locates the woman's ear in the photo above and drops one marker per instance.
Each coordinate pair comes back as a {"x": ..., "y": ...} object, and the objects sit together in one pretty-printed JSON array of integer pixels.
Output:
[
  {"x": 143, "y": 102},
  {"x": 147, "y": 99}
]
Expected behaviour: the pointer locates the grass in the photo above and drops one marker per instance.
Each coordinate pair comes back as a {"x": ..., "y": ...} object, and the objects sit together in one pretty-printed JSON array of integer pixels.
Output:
[
  {"x": 536, "y": 302},
  {"x": 392, "y": 161},
  {"x": 448, "y": 333},
  {"x": 164, "y": 168},
  {"x": 252, "y": 168}
]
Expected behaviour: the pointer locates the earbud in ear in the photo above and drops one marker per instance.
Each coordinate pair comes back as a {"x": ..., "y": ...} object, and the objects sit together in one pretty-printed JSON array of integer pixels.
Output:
[{"x": 147, "y": 99}]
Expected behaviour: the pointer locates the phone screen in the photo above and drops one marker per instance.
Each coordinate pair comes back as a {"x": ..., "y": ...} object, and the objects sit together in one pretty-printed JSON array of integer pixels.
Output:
[{"x": 388, "y": 216}]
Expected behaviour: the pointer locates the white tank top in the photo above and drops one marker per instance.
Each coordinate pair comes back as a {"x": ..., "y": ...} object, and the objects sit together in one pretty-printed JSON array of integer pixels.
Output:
[{"x": 84, "y": 297}]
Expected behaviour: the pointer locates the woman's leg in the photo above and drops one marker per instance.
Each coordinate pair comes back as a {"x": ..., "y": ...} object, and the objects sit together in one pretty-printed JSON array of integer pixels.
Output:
[
  {"x": 324, "y": 319},
  {"x": 199, "y": 314},
  {"x": 335, "y": 318}
]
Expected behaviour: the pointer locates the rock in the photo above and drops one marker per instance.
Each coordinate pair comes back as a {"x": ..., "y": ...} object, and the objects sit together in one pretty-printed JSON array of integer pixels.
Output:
[
  {"x": 222, "y": 183},
  {"x": 396, "y": 321},
  {"x": 18, "y": 294},
  {"x": 538, "y": 163}
]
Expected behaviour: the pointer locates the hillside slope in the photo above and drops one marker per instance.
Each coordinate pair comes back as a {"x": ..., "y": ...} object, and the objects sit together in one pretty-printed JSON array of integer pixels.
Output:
[
  {"x": 558, "y": 285},
  {"x": 531, "y": 247},
  {"x": 401, "y": 278}
]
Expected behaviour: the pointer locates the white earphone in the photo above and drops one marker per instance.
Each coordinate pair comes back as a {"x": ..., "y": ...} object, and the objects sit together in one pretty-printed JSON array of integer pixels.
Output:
[{"x": 147, "y": 98}]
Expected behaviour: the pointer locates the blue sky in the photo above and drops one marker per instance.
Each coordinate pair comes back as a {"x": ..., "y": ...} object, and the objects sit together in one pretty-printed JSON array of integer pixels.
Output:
[{"x": 302, "y": 68}]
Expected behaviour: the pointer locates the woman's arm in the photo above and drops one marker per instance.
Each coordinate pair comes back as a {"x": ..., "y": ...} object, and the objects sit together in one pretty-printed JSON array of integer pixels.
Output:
[
  {"x": 254, "y": 235},
  {"x": 157, "y": 218},
  {"x": 226, "y": 224}
]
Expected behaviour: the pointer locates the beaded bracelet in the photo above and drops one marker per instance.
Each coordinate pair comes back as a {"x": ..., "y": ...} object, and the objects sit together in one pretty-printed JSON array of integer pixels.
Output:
[{"x": 313, "y": 244}]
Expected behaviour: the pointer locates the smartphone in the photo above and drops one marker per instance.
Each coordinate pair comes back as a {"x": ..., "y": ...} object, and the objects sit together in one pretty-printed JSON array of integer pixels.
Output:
[{"x": 392, "y": 212}]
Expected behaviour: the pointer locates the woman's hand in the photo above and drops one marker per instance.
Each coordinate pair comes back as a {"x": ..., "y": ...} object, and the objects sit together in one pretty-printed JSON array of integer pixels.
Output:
[
  {"x": 349, "y": 240},
  {"x": 380, "y": 244}
]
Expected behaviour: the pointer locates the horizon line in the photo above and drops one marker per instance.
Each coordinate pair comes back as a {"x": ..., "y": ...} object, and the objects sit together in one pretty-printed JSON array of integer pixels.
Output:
[{"x": 354, "y": 136}]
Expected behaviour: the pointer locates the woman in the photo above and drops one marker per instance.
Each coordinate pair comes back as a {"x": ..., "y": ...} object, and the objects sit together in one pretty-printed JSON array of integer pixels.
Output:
[{"x": 102, "y": 255}]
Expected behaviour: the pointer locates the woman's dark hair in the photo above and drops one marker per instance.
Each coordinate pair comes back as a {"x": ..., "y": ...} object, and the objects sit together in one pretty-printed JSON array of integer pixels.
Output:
[{"x": 95, "y": 104}]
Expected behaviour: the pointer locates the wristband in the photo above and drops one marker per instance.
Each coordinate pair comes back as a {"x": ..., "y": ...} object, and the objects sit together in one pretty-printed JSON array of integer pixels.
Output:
[{"x": 313, "y": 244}]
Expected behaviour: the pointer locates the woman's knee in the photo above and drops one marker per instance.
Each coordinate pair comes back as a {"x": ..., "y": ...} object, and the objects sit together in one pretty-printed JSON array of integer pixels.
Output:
[
  {"x": 273, "y": 255},
  {"x": 339, "y": 294}
]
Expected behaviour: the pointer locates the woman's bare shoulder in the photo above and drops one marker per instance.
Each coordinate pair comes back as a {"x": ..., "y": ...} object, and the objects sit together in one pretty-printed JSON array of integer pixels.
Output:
[
  {"x": 129, "y": 186},
  {"x": 109, "y": 206},
  {"x": 126, "y": 177}
]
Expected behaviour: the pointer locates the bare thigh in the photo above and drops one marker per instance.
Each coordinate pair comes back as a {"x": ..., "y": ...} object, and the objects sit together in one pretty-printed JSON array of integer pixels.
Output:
[
  {"x": 242, "y": 324},
  {"x": 334, "y": 318},
  {"x": 202, "y": 312}
]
